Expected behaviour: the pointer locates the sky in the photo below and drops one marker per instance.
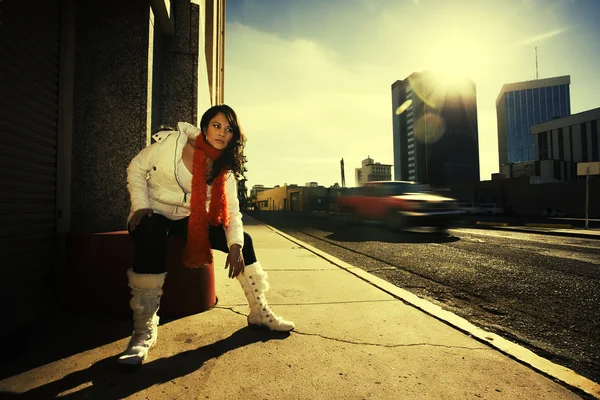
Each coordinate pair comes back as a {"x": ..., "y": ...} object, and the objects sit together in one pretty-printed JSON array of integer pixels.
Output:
[{"x": 311, "y": 80}]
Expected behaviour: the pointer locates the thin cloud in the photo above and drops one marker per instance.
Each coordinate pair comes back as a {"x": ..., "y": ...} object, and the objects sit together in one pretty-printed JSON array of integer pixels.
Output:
[{"x": 540, "y": 37}]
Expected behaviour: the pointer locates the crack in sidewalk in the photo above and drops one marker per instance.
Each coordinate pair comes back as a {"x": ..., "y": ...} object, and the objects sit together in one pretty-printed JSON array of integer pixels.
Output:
[
  {"x": 387, "y": 345},
  {"x": 366, "y": 343}
]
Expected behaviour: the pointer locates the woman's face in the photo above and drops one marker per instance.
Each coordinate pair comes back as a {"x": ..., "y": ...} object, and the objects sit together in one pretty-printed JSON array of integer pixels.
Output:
[{"x": 218, "y": 132}]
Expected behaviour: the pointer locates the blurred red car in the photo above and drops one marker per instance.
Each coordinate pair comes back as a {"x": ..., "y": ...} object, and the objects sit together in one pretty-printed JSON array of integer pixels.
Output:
[{"x": 399, "y": 204}]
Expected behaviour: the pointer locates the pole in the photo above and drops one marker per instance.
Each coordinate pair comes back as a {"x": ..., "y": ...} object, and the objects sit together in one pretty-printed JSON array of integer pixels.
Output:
[
  {"x": 426, "y": 142},
  {"x": 587, "y": 196},
  {"x": 343, "y": 175}
]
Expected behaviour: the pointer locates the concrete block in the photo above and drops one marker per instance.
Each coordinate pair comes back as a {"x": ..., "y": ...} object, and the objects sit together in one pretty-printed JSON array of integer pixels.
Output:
[{"x": 95, "y": 277}]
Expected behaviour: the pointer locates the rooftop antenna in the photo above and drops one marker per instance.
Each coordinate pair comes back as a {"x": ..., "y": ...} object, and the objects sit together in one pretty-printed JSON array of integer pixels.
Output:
[{"x": 536, "y": 64}]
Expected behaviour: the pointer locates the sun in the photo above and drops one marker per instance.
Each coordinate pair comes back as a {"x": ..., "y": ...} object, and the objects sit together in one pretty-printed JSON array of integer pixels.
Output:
[
  {"x": 455, "y": 63},
  {"x": 461, "y": 52}
]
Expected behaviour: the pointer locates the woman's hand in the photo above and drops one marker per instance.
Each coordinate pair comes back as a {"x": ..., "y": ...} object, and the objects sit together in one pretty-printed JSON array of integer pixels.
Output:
[
  {"x": 137, "y": 217},
  {"x": 235, "y": 261}
]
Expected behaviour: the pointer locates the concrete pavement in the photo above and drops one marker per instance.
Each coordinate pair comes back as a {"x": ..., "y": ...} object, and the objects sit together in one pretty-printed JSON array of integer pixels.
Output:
[{"x": 357, "y": 337}]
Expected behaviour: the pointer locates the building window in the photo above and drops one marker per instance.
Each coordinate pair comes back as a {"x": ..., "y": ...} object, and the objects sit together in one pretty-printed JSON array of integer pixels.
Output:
[
  {"x": 510, "y": 118},
  {"x": 543, "y": 105},
  {"x": 530, "y": 103},
  {"x": 536, "y": 106},
  {"x": 410, "y": 152},
  {"x": 517, "y": 128},
  {"x": 584, "y": 144},
  {"x": 542, "y": 145},
  {"x": 571, "y": 143},
  {"x": 527, "y": 134},
  {"x": 524, "y": 132},
  {"x": 551, "y": 147},
  {"x": 549, "y": 102},
  {"x": 411, "y": 139},
  {"x": 555, "y": 102},
  {"x": 561, "y": 145},
  {"x": 410, "y": 146},
  {"x": 562, "y": 100},
  {"x": 595, "y": 140}
]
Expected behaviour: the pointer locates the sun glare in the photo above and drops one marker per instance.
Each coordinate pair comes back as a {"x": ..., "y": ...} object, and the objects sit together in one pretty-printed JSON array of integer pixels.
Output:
[
  {"x": 457, "y": 57},
  {"x": 465, "y": 49}
]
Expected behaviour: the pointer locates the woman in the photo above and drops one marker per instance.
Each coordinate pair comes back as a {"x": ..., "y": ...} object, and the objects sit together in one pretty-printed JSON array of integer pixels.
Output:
[{"x": 184, "y": 184}]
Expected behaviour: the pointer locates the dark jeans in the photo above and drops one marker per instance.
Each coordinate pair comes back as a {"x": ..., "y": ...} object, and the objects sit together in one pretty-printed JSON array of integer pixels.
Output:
[{"x": 150, "y": 241}]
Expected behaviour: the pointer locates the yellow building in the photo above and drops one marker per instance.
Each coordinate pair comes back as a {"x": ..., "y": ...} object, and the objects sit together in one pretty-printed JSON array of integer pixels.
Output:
[{"x": 298, "y": 198}]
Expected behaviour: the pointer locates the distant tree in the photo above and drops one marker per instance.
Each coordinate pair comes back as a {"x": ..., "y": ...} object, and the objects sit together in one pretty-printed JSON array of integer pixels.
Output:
[
  {"x": 242, "y": 189},
  {"x": 335, "y": 186}
]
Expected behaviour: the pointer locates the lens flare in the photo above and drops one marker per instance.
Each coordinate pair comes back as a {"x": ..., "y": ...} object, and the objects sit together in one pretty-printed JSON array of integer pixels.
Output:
[
  {"x": 403, "y": 107},
  {"x": 434, "y": 87},
  {"x": 429, "y": 128},
  {"x": 424, "y": 86}
]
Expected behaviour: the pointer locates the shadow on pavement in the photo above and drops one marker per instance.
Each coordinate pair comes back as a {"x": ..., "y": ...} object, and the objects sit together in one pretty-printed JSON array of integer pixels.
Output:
[
  {"x": 381, "y": 234},
  {"x": 59, "y": 335},
  {"x": 110, "y": 380}
]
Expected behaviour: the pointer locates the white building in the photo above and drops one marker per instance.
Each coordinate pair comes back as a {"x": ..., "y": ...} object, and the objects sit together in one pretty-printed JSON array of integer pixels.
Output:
[
  {"x": 562, "y": 143},
  {"x": 372, "y": 171}
]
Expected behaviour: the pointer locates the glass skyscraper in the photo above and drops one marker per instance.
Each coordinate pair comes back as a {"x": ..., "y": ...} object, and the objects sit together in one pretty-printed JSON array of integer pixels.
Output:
[
  {"x": 523, "y": 104},
  {"x": 435, "y": 133}
]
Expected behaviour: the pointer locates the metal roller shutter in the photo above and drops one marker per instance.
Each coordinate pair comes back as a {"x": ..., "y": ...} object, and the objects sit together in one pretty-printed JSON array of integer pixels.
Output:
[{"x": 29, "y": 74}]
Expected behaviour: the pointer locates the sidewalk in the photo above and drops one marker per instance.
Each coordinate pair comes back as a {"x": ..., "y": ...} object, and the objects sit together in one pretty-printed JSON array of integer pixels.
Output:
[{"x": 357, "y": 337}]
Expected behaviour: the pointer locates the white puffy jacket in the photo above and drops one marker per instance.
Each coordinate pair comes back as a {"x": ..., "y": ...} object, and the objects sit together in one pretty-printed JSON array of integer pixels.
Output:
[{"x": 152, "y": 181}]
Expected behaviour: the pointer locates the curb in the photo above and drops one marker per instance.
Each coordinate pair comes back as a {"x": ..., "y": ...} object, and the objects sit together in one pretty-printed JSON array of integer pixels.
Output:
[
  {"x": 559, "y": 226},
  {"x": 492, "y": 223},
  {"x": 523, "y": 355},
  {"x": 549, "y": 233}
]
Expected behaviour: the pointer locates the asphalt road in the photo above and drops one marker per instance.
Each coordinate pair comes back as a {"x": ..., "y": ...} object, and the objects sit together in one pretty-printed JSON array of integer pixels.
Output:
[{"x": 540, "y": 291}]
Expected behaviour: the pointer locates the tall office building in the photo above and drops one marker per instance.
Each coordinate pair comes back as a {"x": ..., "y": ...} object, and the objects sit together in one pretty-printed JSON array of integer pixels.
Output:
[
  {"x": 435, "y": 130},
  {"x": 521, "y": 105}
]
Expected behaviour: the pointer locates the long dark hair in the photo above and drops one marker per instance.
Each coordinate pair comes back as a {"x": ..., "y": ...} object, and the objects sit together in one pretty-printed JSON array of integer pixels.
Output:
[{"x": 232, "y": 158}]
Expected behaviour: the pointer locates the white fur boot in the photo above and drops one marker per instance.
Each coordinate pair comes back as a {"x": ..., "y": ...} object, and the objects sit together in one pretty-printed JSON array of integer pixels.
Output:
[
  {"x": 146, "y": 290},
  {"x": 255, "y": 284}
]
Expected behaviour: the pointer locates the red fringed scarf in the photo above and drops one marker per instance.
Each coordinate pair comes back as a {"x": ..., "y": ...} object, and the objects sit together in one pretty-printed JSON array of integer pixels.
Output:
[{"x": 197, "y": 251}]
